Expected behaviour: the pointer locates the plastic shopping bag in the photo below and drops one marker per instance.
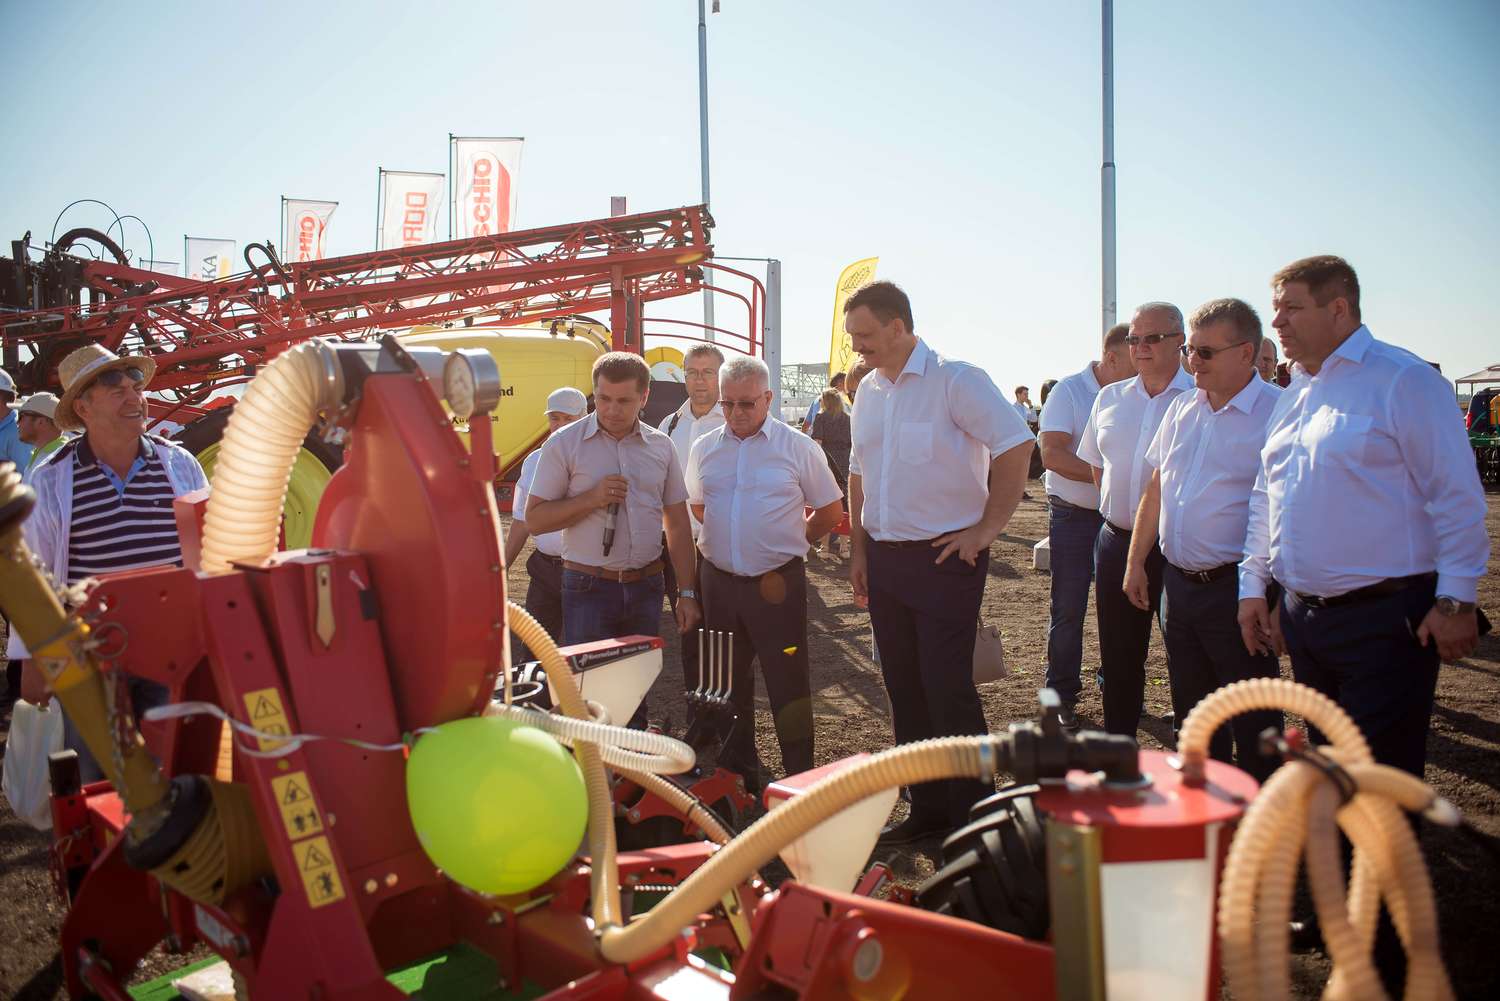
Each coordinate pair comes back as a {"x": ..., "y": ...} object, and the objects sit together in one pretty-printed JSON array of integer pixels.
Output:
[{"x": 34, "y": 734}]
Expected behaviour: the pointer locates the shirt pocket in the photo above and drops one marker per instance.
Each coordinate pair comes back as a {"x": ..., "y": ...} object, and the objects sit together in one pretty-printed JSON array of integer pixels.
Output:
[
  {"x": 914, "y": 442},
  {"x": 1340, "y": 439}
]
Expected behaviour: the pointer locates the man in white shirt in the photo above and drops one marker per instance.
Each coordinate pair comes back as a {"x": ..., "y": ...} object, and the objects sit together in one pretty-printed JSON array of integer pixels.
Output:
[
  {"x": 1265, "y": 362},
  {"x": 749, "y": 482},
  {"x": 1205, "y": 458},
  {"x": 1368, "y": 511},
  {"x": 1023, "y": 405},
  {"x": 1073, "y": 518},
  {"x": 938, "y": 467},
  {"x": 1124, "y": 420},
  {"x": 698, "y": 415},
  {"x": 544, "y": 565}
]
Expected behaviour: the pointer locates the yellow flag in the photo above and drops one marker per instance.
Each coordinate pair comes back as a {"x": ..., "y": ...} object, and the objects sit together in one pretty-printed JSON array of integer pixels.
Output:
[{"x": 854, "y": 277}]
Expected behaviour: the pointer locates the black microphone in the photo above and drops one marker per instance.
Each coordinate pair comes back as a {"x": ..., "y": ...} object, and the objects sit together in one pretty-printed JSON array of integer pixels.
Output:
[{"x": 609, "y": 526}]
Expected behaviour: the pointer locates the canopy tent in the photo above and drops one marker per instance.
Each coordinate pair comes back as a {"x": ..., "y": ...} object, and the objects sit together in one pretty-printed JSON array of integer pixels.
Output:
[{"x": 1483, "y": 377}]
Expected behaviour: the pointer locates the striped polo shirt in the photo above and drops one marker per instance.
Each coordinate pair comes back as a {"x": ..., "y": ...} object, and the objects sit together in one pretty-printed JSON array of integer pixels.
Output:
[{"x": 120, "y": 525}]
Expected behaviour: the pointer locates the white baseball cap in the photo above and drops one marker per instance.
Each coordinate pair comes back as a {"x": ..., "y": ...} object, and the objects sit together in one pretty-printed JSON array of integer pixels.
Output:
[
  {"x": 567, "y": 401},
  {"x": 44, "y": 404}
]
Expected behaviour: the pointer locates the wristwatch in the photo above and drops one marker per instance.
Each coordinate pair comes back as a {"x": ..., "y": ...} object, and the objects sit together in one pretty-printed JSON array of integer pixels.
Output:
[
  {"x": 687, "y": 592},
  {"x": 1452, "y": 606}
]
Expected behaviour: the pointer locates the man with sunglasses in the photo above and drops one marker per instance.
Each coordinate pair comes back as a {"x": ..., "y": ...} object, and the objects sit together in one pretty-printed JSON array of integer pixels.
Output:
[
  {"x": 104, "y": 499},
  {"x": 699, "y": 414},
  {"x": 1205, "y": 458},
  {"x": 1121, "y": 425},
  {"x": 750, "y": 483}
]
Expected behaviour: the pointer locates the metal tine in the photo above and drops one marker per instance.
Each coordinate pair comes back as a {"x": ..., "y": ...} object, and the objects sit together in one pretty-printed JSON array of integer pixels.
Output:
[
  {"x": 729, "y": 683},
  {"x": 698, "y": 692},
  {"x": 719, "y": 666}
]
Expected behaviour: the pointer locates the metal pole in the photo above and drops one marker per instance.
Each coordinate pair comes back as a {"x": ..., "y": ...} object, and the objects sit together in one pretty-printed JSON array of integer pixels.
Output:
[
  {"x": 708, "y": 276},
  {"x": 1107, "y": 172},
  {"x": 770, "y": 341}
]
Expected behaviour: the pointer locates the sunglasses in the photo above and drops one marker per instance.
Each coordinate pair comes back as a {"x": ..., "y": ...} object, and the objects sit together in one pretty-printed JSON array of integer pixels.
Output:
[
  {"x": 1207, "y": 354},
  {"x": 731, "y": 405},
  {"x": 1132, "y": 340},
  {"x": 115, "y": 377}
]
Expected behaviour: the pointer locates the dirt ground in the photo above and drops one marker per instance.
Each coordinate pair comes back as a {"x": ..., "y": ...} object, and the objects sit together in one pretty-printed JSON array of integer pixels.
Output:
[{"x": 1463, "y": 758}]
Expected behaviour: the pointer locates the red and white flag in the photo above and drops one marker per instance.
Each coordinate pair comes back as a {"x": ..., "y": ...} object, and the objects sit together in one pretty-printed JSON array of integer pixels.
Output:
[
  {"x": 304, "y": 229},
  {"x": 484, "y": 185},
  {"x": 408, "y": 208},
  {"x": 206, "y": 260}
]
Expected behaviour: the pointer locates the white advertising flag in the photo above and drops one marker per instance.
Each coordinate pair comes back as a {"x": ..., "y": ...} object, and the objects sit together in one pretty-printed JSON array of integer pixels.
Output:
[
  {"x": 484, "y": 186},
  {"x": 160, "y": 267},
  {"x": 304, "y": 229},
  {"x": 206, "y": 260},
  {"x": 408, "y": 208}
]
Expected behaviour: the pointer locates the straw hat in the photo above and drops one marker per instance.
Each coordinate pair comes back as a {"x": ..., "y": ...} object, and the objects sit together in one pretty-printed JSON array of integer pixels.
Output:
[{"x": 81, "y": 368}]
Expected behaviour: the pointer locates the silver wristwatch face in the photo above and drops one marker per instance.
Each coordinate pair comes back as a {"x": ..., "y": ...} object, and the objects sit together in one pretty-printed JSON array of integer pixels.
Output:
[{"x": 1450, "y": 606}]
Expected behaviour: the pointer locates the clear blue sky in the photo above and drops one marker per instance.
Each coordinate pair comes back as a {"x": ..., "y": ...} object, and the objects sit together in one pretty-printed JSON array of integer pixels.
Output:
[{"x": 958, "y": 141}]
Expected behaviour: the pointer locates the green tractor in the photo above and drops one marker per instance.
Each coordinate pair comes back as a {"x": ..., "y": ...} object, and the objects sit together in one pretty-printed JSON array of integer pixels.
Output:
[{"x": 1484, "y": 435}]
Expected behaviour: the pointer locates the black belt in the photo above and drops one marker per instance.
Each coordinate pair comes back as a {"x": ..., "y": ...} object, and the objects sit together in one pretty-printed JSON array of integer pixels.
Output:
[
  {"x": 904, "y": 543},
  {"x": 1054, "y": 499},
  {"x": 1206, "y": 576},
  {"x": 1116, "y": 528},
  {"x": 554, "y": 560},
  {"x": 789, "y": 564},
  {"x": 1380, "y": 589}
]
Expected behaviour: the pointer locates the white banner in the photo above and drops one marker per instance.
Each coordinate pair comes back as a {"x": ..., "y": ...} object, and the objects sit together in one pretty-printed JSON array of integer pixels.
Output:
[
  {"x": 160, "y": 267},
  {"x": 304, "y": 229},
  {"x": 206, "y": 260},
  {"x": 409, "y": 208},
  {"x": 484, "y": 186}
]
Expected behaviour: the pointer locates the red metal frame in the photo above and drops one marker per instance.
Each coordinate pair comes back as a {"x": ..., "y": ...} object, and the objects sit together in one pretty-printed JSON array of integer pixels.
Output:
[{"x": 208, "y": 334}]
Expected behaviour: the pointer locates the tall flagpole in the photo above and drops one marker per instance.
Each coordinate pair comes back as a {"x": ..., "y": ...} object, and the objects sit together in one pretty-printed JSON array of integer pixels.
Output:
[
  {"x": 708, "y": 277},
  {"x": 1107, "y": 172}
]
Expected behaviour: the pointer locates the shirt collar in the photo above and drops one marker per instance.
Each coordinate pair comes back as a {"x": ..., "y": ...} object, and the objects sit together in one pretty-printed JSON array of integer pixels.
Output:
[
  {"x": 86, "y": 457},
  {"x": 763, "y": 432},
  {"x": 916, "y": 364},
  {"x": 591, "y": 428},
  {"x": 1181, "y": 381},
  {"x": 1244, "y": 401},
  {"x": 1352, "y": 350}
]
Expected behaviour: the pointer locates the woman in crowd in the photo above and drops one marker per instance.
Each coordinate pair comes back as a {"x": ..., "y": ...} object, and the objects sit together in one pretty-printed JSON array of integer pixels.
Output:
[{"x": 831, "y": 430}]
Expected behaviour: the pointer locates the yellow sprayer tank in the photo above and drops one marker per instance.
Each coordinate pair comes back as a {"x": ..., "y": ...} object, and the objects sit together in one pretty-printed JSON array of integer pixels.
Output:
[{"x": 533, "y": 362}]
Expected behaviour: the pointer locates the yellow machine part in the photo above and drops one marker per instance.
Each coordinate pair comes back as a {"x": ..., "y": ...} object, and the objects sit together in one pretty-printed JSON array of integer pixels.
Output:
[{"x": 533, "y": 362}]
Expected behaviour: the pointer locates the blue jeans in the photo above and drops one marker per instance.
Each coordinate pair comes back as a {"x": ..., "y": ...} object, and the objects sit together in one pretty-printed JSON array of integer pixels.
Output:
[
  {"x": 1071, "y": 531},
  {"x": 599, "y": 609}
]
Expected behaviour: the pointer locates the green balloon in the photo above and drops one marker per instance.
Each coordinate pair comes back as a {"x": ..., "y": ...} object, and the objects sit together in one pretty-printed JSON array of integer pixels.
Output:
[{"x": 499, "y": 806}]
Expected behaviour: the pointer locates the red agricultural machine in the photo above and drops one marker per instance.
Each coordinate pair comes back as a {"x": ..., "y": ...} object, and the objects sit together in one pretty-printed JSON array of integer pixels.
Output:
[{"x": 327, "y": 859}]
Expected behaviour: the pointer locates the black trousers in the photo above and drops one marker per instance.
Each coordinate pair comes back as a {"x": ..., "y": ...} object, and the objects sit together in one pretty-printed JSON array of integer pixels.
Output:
[
  {"x": 543, "y": 601},
  {"x": 1366, "y": 657},
  {"x": 688, "y": 647},
  {"x": 1124, "y": 630},
  {"x": 1206, "y": 652},
  {"x": 767, "y": 616},
  {"x": 925, "y": 615}
]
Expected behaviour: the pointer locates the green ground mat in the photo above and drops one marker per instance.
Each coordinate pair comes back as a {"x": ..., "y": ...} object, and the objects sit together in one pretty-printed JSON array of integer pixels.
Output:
[{"x": 461, "y": 973}]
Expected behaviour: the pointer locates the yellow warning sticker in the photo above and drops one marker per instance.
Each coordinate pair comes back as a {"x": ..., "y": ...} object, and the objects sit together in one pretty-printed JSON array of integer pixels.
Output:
[
  {"x": 267, "y": 715},
  {"x": 320, "y": 877},
  {"x": 299, "y": 811}
]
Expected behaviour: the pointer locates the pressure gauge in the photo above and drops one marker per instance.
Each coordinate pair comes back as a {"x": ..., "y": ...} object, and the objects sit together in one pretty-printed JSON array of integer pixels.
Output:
[{"x": 471, "y": 382}]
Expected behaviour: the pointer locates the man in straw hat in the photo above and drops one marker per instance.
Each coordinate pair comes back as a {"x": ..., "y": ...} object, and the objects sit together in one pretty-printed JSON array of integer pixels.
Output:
[{"x": 104, "y": 498}]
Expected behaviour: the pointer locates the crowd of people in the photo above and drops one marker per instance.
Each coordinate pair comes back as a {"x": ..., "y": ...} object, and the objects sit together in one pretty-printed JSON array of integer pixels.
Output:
[{"x": 1325, "y": 507}]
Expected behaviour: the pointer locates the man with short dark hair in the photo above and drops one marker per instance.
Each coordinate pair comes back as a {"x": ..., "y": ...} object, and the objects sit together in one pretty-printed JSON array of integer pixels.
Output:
[
  {"x": 544, "y": 565},
  {"x": 104, "y": 499},
  {"x": 750, "y": 482},
  {"x": 1368, "y": 511},
  {"x": 1265, "y": 362},
  {"x": 1204, "y": 460},
  {"x": 1121, "y": 425},
  {"x": 611, "y": 483},
  {"x": 938, "y": 467},
  {"x": 1073, "y": 517},
  {"x": 1023, "y": 405}
]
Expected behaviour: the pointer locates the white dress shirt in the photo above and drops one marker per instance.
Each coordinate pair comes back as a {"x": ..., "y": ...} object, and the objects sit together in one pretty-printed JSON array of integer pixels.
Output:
[
  {"x": 1119, "y": 430},
  {"x": 923, "y": 446},
  {"x": 579, "y": 456},
  {"x": 1067, "y": 410},
  {"x": 754, "y": 491},
  {"x": 688, "y": 430},
  {"x": 1027, "y": 415},
  {"x": 1366, "y": 474},
  {"x": 1208, "y": 462},
  {"x": 547, "y": 543}
]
